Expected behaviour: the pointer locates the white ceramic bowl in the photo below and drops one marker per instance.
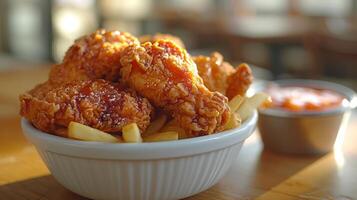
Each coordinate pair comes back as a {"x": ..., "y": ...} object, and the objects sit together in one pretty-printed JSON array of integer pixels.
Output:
[{"x": 162, "y": 170}]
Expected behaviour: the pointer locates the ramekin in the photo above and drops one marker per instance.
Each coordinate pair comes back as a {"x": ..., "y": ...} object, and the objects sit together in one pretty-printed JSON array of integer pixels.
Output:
[
  {"x": 306, "y": 132},
  {"x": 161, "y": 170}
]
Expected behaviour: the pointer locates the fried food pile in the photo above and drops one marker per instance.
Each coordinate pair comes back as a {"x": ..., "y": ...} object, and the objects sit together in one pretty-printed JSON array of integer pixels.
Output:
[{"x": 109, "y": 79}]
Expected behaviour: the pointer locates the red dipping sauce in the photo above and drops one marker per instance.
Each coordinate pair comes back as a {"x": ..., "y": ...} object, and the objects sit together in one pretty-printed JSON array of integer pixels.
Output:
[{"x": 297, "y": 99}]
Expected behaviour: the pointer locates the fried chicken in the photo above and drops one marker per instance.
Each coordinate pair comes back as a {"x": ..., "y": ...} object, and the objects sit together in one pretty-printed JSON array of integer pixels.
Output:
[
  {"x": 214, "y": 71},
  {"x": 75, "y": 91},
  {"x": 40, "y": 90},
  {"x": 95, "y": 56},
  {"x": 166, "y": 75},
  {"x": 96, "y": 103},
  {"x": 88, "y": 86},
  {"x": 160, "y": 36},
  {"x": 239, "y": 81},
  {"x": 220, "y": 76}
]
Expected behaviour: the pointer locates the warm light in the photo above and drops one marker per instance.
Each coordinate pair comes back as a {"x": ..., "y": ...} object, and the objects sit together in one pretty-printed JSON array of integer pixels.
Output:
[
  {"x": 353, "y": 102},
  {"x": 252, "y": 139},
  {"x": 250, "y": 92},
  {"x": 67, "y": 22},
  {"x": 71, "y": 20},
  {"x": 339, "y": 157},
  {"x": 338, "y": 153},
  {"x": 8, "y": 159},
  {"x": 346, "y": 103},
  {"x": 133, "y": 9}
]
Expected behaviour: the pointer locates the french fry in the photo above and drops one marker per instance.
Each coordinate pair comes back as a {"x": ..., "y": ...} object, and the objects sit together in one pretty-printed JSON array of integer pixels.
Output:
[
  {"x": 250, "y": 104},
  {"x": 234, "y": 122},
  {"x": 235, "y": 103},
  {"x": 156, "y": 125},
  {"x": 83, "y": 132},
  {"x": 173, "y": 126},
  {"x": 259, "y": 98},
  {"x": 131, "y": 133},
  {"x": 163, "y": 136}
]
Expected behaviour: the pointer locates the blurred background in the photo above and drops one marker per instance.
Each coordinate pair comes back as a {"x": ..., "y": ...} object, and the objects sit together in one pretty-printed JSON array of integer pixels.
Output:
[{"x": 278, "y": 38}]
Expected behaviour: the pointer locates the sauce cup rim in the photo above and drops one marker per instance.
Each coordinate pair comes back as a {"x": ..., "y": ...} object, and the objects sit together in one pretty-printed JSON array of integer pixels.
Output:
[{"x": 346, "y": 92}]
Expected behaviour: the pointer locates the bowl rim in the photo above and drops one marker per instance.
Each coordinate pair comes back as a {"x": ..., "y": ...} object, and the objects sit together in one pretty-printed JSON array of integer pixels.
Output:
[
  {"x": 138, "y": 151},
  {"x": 348, "y": 93}
]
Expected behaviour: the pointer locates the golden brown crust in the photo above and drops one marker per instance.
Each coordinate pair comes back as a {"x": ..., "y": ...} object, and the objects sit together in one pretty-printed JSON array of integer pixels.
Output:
[
  {"x": 239, "y": 81},
  {"x": 160, "y": 70},
  {"x": 96, "y": 103},
  {"x": 166, "y": 75},
  {"x": 95, "y": 56},
  {"x": 160, "y": 36},
  {"x": 214, "y": 71},
  {"x": 220, "y": 76},
  {"x": 52, "y": 105},
  {"x": 41, "y": 90}
]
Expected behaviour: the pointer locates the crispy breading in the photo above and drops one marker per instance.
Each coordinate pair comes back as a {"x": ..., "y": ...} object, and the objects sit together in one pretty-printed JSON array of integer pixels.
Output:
[
  {"x": 96, "y": 103},
  {"x": 166, "y": 75},
  {"x": 87, "y": 86},
  {"x": 220, "y": 76},
  {"x": 214, "y": 71},
  {"x": 94, "y": 56},
  {"x": 239, "y": 81}
]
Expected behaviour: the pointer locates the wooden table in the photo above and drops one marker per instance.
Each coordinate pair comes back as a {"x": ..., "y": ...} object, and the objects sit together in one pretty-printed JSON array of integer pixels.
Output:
[{"x": 257, "y": 173}]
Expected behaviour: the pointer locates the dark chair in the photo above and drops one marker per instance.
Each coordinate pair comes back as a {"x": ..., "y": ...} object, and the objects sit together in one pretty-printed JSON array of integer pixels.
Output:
[{"x": 333, "y": 53}]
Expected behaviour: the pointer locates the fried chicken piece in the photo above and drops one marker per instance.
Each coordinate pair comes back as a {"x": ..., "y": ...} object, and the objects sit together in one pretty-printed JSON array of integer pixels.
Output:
[
  {"x": 95, "y": 56},
  {"x": 96, "y": 103},
  {"x": 239, "y": 81},
  {"x": 40, "y": 90},
  {"x": 214, "y": 71},
  {"x": 160, "y": 36},
  {"x": 166, "y": 75},
  {"x": 220, "y": 76}
]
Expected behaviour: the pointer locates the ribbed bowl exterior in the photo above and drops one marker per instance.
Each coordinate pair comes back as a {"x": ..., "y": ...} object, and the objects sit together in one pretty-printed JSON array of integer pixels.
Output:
[
  {"x": 159, "y": 170},
  {"x": 140, "y": 179}
]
